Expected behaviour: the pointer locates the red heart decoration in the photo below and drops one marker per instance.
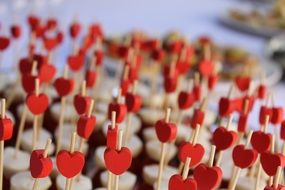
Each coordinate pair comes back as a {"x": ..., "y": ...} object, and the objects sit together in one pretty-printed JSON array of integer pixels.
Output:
[
  {"x": 224, "y": 107},
  {"x": 277, "y": 115},
  {"x": 237, "y": 104},
  {"x": 51, "y": 23},
  {"x": 120, "y": 109},
  {"x": 176, "y": 182},
  {"x": 118, "y": 161},
  {"x": 264, "y": 111},
  {"x": 40, "y": 167},
  {"x": 207, "y": 177},
  {"x": 85, "y": 126},
  {"x": 50, "y": 43},
  {"x": 185, "y": 100},
  {"x": 280, "y": 187},
  {"x": 224, "y": 139},
  {"x": 212, "y": 81},
  {"x": 90, "y": 78},
  {"x": 4, "y": 43},
  {"x": 270, "y": 162},
  {"x": 28, "y": 83},
  {"x": 64, "y": 86},
  {"x": 197, "y": 92},
  {"x": 37, "y": 104},
  {"x": 47, "y": 72},
  {"x": 198, "y": 118},
  {"x": 75, "y": 62},
  {"x": 124, "y": 86},
  {"x": 25, "y": 66},
  {"x": 112, "y": 136},
  {"x": 260, "y": 141},
  {"x": 170, "y": 84},
  {"x": 244, "y": 158},
  {"x": 70, "y": 164},
  {"x": 81, "y": 103},
  {"x": 99, "y": 55},
  {"x": 158, "y": 55},
  {"x": 133, "y": 102},
  {"x": 165, "y": 132},
  {"x": 195, "y": 152},
  {"x": 261, "y": 91},
  {"x": 206, "y": 68},
  {"x": 6, "y": 129},
  {"x": 183, "y": 66},
  {"x": 282, "y": 131},
  {"x": 15, "y": 31},
  {"x": 242, "y": 82},
  {"x": 74, "y": 29},
  {"x": 242, "y": 123}
]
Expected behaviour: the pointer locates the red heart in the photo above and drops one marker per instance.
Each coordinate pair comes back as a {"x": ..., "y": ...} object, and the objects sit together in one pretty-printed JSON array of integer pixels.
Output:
[
  {"x": 242, "y": 82},
  {"x": 270, "y": 162},
  {"x": 185, "y": 100},
  {"x": 277, "y": 115},
  {"x": 85, "y": 126},
  {"x": 244, "y": 158},
  {"x": 124, "y": 85},
  {"x": 237, "y": 104},
  {"x": 282, "y": 131},
  {"x": 133, "y": 102},
  {"x": 212, "y": 81},
  {"x": 99, "y": 55},
  {"x": 165, "y": 132},
  {"x": 74, "y": 29},
  {"x": 4, "y": 43},
  {"x": 170, "y": 84},
  {"x": 260, "y": 141},
  {"x": 6, "y": 129},
  {"x": 224, "y": 139},
  {"x": 75, "y": 62},
  {"x": 51, "y": 23},
  {"x": 40, "y": 167},
  {"x": 90, "y": 78},
  {"x": 64, "y": 86},
  {"x": 70, "y": 164},
  {"x": 25, "y": 66},
  {"x": 50, "y": 43},
  {"x": 242, "y": 123},
  {"x": 46, "y": 72},
  {"x": 176, "y": 182},
  {"x": 197, "y": 92},
  {"x": 225, "y": 107},
  {"x": 28, "y": 82},
  {"x": 261, "y": 91},
  {"x": 207, "y": 177},
  {"x": 16, "y": 31},
  {"x": 158, "y": 55},
  {"x": 37, "y": 104},
  {"x": 280, "y": 187},
  {"x": 195, "y": 152},
  {"x": 81, "y": 103},
  {"x": 206, "y": 68},
  {"x": 118, "y": 161},
  {"x": 198, "y": 118},
  {"x": 120, "y": 109},
  {"x": 264, "y": 111},
  {"x": 183, "y": 66},
  {"x": 112, "y": 136}
]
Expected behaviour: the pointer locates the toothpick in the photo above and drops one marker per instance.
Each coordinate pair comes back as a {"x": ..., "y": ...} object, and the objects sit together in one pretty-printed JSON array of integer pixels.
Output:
[
  {"x": 212, "y": 156},
  {"x": 119, "y": 146},
  {"x": 186, "y": 168},
  {"x": 83, "y": 88},
  {"x": 68, "y": 184},
  {"x": 35, "y": 122},
  {"x": 20, "y": 131},
  {"x": 204, "y": 104},
  {"x": 3, "y": 107},
  {"x": 45, "y": 154},
  {"x": 113, "y": 120},
  {"x": 277, "y": 177}
]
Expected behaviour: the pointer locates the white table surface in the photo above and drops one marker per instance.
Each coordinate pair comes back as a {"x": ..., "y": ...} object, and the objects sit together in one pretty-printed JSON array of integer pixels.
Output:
[{"x": 191, "y": 17}]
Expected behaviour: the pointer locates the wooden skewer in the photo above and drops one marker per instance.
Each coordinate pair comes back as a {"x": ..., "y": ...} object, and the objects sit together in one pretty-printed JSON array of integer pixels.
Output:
[
  {"x": 119, "y": 146},
  {"x": 220, "y": 155},
  {"x": 45, "y": 154},
  {"x": 236, "y": 174},
  {"x": 35, "y": 123},
  {"x": 162, "y": 154},
  {"x": 68, "y": 184},
  {"x": 277, "y": 177},
  {"x": 212, "y": 156},
  {"x": 272, "y": 151},
  {"x": 3, "y": 113},
  {"x": 186, "y": 168},
  {"x": 61, "y": 115}
]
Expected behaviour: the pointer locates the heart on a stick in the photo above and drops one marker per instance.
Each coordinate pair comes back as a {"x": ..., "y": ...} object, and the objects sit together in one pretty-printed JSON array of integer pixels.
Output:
[
  {"x": 37, "y": 104},
  {"x": 195, "y": 152},
  {"x": 176, "y": 182},
  {"x": 40, "y": 167}
]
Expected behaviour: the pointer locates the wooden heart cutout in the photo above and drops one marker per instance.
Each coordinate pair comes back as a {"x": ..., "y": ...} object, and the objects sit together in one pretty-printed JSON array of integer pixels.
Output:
[
  {"x": 90, "y": 78},
  {"x": 81, "y": 103},
  {"x": 112, "y": 137},
  {"x": 64, "y": 86},
  {"x": 85, "y": 126},
  {"x": 6, "y": 129},
  {"x": 28, "y": 83},
  {"x": 176, "y": 182},
  {"x": 37, "y": 104},
  {"x": 206, "y": 68},
  {"x": 47, "y": 72},
  {"x": 133, "y": 102},
  {"x": 224, "y": 139},
  {"x": 198, "y": 118},
  {"x": 195, "y": 152},
  {"x": 40, "y": 167},
  {"x": 270, "y": 162},
  {"x": 165, "y": 132},
  {"x": 185, "y": 100},
  {"x": 120, "y": 109},
  {"x": 242, "y": 82},
  {"x": 75, "y": 62},
  {"x": 261, "y": 141},
  {"x": 244, "y": 158},
  {"x": 4, "y": 43}
]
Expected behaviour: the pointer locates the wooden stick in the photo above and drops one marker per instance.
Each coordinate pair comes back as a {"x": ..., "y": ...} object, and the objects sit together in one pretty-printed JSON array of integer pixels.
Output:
[
  {"x": 3, "y": 110},
  {"x": 277, "y": 177},
  {"x": 212, "y": 156},
  {"x": 35, "y": 123},
  {"x": 83, "y": 88},
  {"x": 61, "y": 115},
  {"x": 186, "y": 168},
  {"x": 20, "y": 131},
  {"x": 45, "y": 154}
]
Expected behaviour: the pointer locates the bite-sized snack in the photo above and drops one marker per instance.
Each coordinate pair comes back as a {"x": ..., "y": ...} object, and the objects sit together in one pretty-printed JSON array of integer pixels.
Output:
[
  {"x": 127, "y": 180},
  {"x": 82, "y": 183}
]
